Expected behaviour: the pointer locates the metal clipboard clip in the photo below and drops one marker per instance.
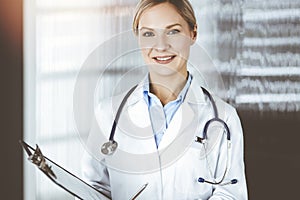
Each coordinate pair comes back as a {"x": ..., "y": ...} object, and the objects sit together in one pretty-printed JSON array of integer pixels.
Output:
[{"x": 38, "y": 159}]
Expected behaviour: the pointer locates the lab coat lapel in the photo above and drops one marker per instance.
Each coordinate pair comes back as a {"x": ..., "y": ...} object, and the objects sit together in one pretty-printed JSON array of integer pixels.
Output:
[
  {"x": 185, "y": 115},
  {"x": 182, "y": 119},
  {"x": 136, "y": 124},
  {"x": 137, "y": 108},
  {"x": 192, "y": 107}
]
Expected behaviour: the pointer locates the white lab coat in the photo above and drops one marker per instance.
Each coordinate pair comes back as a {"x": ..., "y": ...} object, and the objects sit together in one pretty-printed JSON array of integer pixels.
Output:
[{"x": 173, "y": 169}]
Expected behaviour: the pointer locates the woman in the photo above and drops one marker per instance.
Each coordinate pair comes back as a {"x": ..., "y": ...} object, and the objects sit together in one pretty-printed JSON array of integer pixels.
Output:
[{"x": 168, "y": 161}]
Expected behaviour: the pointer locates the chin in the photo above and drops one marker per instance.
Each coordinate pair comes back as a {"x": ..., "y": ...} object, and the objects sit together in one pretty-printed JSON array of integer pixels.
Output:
[{"x": 162, "y": 70}]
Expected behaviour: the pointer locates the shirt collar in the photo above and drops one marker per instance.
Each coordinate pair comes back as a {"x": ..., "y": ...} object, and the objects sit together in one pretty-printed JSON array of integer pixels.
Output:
[
  {"x": 180, "y": 97},
  {"x": 194, "y": 94}
]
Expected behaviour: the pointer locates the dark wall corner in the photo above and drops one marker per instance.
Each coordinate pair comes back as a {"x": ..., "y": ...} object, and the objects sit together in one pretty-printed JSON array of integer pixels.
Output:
[{"x": 11, "y": 99}]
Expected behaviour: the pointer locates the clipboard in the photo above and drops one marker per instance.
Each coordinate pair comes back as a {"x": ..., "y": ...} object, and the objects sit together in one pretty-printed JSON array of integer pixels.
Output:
[
  {"x": 65, "y": 179},
  {"x": 61, "y": 177}
]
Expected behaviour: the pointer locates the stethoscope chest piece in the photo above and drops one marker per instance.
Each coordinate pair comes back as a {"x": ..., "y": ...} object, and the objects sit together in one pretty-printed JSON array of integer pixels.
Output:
[{"x": 108, "y": 148}]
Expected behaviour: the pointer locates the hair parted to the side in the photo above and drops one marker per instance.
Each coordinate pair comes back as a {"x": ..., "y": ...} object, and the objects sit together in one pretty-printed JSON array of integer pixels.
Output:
[{"x": 183, "y": 7}]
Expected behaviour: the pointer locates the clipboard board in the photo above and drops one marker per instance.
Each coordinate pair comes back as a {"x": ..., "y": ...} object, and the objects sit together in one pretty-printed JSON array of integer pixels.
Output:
[
  {"x": 61, "y": 177},
  {"x": 65, "y": 179}
]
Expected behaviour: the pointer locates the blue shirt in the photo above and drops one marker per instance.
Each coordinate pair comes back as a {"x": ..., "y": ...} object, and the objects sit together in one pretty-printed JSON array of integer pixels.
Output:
[{"x": 160, "y": 115}]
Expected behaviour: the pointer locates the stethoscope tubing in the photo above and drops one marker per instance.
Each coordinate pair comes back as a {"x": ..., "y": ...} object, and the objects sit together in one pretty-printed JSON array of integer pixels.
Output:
[{"x": 116, "y": 120}]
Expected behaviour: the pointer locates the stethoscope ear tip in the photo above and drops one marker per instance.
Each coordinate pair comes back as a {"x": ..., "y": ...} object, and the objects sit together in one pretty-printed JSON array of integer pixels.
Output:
[
  {"x": 201, "y": 180},
  {"x": 234, "y": 181}
]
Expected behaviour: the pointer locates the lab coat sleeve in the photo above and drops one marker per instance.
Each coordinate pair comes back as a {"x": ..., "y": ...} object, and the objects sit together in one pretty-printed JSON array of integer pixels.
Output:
[
  {"x": 236, "y": 167},
  {"x": 95, "y": 173}
]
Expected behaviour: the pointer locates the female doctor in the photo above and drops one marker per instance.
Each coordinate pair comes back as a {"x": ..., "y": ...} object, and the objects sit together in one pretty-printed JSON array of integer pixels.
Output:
[{"x": 175, "y": 139}]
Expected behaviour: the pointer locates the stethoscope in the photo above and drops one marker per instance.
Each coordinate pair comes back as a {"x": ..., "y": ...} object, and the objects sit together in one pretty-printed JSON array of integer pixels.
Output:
[{"x": 108, "y": 148}]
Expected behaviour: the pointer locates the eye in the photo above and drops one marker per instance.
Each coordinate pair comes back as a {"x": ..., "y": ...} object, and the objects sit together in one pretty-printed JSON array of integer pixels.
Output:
[
  {"x": 148, "y": 34},
  {"x": 173, "y": 32}
]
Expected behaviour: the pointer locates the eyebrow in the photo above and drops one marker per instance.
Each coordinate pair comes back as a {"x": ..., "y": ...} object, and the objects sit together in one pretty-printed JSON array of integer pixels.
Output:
[{"x": 168, "y": 27}]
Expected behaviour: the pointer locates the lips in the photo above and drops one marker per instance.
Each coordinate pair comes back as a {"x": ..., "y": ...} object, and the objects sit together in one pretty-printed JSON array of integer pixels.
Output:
[{"x": 163, "y": 59}]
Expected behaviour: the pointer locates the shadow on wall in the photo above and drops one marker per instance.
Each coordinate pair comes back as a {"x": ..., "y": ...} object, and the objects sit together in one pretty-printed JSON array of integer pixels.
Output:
[{"x": 272, "y": 154}]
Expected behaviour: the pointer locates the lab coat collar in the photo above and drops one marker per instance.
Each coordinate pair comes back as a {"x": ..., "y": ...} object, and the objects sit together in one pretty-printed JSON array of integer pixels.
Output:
[
  {"x": 137, "y": 94},
  {"x": 195, "y": 94}
]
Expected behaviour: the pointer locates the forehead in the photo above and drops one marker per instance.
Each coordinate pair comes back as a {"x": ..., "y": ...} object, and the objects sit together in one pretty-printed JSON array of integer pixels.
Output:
[{"x": 160, "y": 16}]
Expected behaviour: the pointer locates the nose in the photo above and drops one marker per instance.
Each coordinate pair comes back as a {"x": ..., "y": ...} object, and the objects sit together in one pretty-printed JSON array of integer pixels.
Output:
[{"x": 161, "y": 43}]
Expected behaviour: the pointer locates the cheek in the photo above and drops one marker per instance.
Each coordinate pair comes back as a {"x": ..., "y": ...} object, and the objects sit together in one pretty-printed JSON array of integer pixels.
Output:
[
  {"x": 146, "y": 53},
  {"x": 183, "y": 50},
  {"x": 181, "y": 45}
]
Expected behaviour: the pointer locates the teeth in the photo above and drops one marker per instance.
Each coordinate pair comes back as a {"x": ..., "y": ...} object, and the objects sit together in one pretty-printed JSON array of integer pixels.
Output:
[{"x": 163, "y": 58}]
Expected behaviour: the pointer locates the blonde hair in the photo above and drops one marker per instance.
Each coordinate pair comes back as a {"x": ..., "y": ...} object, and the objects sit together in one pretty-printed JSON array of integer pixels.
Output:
[{"x": 183, "y": 7}]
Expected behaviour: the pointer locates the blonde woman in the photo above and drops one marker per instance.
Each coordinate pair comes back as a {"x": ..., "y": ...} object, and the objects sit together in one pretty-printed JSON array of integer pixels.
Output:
[{"x": 179, "y": 159}]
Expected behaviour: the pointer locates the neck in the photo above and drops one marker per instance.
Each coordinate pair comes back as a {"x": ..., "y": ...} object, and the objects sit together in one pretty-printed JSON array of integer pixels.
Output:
[{"x": 167, "y": 88}]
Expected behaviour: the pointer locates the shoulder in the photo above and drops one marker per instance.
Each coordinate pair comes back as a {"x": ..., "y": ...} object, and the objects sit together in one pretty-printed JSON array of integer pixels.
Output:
[
  {"x": 226, "y": 111},
  {"x": 107, "y": 108},
  {"x": 230, "y": 116}
]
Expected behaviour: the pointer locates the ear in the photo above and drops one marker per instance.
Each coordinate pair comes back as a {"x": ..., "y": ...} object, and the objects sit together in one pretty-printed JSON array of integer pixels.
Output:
[{"x": 194, "y": 34}]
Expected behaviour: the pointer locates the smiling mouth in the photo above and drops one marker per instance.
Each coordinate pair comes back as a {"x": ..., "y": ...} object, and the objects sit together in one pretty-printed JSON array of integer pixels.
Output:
[{"x": 163, "y": 59}]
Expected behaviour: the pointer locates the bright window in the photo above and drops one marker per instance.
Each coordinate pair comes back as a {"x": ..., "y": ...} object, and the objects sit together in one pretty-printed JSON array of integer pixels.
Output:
[{"x": 59, "y": 36}]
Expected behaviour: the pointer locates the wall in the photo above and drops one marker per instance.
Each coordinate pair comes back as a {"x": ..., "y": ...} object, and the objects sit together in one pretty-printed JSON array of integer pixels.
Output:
[
  {"x": 11, "y": 98},
  {"x": 272, "y": 154}
]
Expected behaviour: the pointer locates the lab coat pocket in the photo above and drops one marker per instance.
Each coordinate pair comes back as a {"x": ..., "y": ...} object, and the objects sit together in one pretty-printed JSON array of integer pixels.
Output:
[{"x": 188, "y": 169}]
